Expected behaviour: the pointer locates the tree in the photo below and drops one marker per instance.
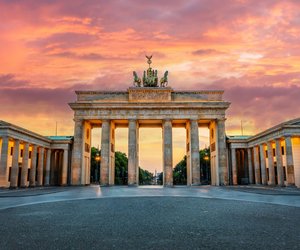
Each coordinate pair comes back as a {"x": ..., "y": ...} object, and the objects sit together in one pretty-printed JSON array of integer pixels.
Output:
[
  {"x": 205, "y": 165},
  {"x": 145, "y": 177},
  {"x": 180, "y": 171},
  {"x": 121, "y": 168},
  {"x": 95, "y": 165}
]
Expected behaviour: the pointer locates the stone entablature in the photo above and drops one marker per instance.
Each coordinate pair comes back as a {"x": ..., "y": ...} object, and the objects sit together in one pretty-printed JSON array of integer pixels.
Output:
[
  {"x": 136, "y": 92},
  {"x": 149, "y": 103},
  {"x": 10, "y": 130}
]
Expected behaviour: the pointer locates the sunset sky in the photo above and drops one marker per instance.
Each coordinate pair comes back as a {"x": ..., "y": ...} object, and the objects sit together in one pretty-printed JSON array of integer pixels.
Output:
[{"x": 48, "y": 49}]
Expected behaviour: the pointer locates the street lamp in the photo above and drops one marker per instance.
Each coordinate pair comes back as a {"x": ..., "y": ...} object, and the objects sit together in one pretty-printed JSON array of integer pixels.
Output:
[{"x": 97, "y": 159}]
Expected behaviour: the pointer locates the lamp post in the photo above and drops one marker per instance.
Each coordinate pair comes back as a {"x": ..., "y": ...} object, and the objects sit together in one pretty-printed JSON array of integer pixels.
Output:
[{"x": 98, "y": 159}]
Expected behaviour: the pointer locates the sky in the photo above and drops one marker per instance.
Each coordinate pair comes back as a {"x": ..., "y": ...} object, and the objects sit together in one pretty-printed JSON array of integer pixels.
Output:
[{"x": 49, "y": 49}]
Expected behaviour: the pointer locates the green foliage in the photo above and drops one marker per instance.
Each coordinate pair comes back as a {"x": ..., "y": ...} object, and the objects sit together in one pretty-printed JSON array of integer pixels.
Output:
[
  {"x": 121, "y": 168},
  {"x": 160, "y": 178},
  {"x": 145, "y": 177},
  {"x": 180, "y": 171},
  {"x": 205, "y": 165},
  {"x": 95, "y": 166}
]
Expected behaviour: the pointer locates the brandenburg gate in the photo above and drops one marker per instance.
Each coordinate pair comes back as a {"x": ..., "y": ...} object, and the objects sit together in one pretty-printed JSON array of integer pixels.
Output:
[{"x": 149, "y": 103}]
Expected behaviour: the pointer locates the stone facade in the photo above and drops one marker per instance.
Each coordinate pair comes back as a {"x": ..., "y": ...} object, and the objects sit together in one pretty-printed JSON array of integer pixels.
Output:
[
  {"x": 28, "y": 159},
  {"x": 142, "y": 107},
  {"x": 271, "y": 157}
]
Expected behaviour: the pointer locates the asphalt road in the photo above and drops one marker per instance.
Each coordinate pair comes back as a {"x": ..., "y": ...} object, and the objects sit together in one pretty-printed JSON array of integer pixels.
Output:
[{"x": 150, "y": 223}]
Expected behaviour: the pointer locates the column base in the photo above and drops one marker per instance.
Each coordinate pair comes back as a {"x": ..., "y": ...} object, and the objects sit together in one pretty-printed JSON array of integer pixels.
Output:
[{"x": 168, "y": 185}]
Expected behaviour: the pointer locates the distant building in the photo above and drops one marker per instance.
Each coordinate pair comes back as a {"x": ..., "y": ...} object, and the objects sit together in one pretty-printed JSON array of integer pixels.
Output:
[
  {"x": 271, "y": 157},
  {"x": 29, "y": 159}
]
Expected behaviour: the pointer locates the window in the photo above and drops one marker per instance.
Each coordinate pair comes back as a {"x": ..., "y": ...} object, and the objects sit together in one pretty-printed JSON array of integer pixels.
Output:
[
  {"x": 11, "y": 150},
  {"x": 21, "y": 153},
  {"x": 282, "y": 150},
  {"x": 274, "y": 152},
  {"x": 266, "y": 153},
  {"x": 212, "y": 133},
  {"x": 30, "y": 154},
  {"x": 87, "y": 134}
]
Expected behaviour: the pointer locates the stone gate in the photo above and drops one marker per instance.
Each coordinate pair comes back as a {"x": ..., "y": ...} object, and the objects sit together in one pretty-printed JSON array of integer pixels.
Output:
[{"x": 149, "y": 105}]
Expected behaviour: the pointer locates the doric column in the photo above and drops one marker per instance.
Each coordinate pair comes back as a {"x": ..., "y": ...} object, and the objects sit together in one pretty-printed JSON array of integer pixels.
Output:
[
  {"x": 222, "y": 160},
  {"x": 112, "y": 154},
  {"x": 60, "y": 164},
  {"x": 250, "y": 168},
  {"x": 133, "y": 161},
  {"x": 32, "y": 176},
  {"x": 47, "y": 172},
  {"x": 271, "y": 164},
  {"x": 256, "y": 165},
  {"x": 15, "y": 165},
  {"x": 58, "y": 167},
  {"x": 78, "y": 151},
  {"x": 167, "y": 153},
  {"x": 195, "y": 159},
  {"x": 4, "y": 162},
  {"x": 105, "y": 153},
  {"x": 279, "y": 164},
  {"x": 234, "y": 168},
  {"x": 289, "y": 161},
  {"x": 188, "y": 154},
  {"x": 53, "y": 175},
  {"x": 65, "y": 168},
  {"x": 40, "y": 169},
  {"x": 24, "y": 173},
  {"x": 264, "y": 179}
]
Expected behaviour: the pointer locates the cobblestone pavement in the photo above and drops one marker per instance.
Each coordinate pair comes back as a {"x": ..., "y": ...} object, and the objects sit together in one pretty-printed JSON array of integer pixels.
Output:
[
  {"x": 150, "y": 217},
  {"x": 20, "y": 197}
]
